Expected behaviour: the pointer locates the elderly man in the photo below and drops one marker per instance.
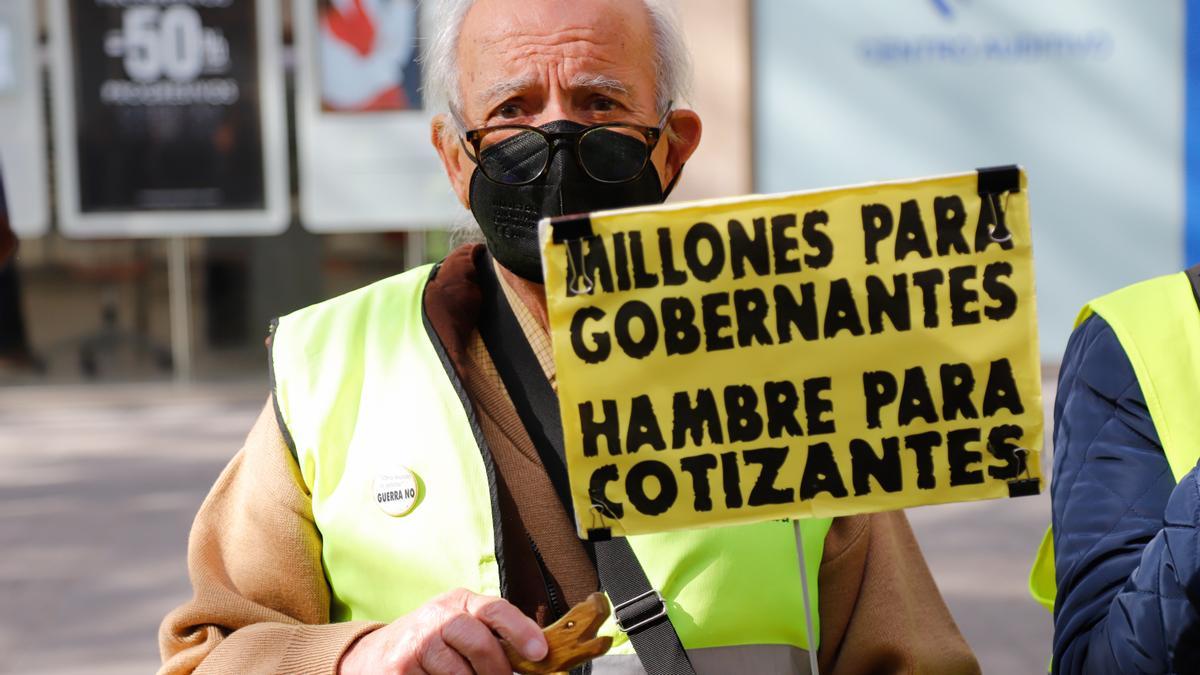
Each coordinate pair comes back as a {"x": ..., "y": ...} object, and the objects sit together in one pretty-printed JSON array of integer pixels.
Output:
[{"x": 392, "y": 511}]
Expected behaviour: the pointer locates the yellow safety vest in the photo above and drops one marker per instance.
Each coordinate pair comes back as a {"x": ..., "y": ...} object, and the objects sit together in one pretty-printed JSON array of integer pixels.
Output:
[
  {"x": 1158, "y": 326},
  {"x": 403, "y": 486}
]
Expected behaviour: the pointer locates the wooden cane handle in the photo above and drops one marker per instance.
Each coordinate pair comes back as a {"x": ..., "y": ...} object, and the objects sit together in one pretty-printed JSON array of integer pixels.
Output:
[{"x": 572, "y": 640}]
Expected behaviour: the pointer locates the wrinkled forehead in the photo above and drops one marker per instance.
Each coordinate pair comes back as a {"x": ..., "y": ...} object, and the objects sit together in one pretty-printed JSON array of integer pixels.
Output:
[{"x": 504, "y": 41}]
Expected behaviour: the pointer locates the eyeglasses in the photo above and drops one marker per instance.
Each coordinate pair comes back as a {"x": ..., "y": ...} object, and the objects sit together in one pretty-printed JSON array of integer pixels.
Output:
[{"x": 518, "y": 154}]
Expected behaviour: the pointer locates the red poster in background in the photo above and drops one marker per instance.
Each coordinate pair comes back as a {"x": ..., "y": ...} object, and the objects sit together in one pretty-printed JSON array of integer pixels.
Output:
[{"x": 367, "y": 50}]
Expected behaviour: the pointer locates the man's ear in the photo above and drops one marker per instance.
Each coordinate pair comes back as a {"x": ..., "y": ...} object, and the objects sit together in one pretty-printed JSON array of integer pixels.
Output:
[
  {"x": 458, "y": 165},
  {"x": 682, "y": 138}
]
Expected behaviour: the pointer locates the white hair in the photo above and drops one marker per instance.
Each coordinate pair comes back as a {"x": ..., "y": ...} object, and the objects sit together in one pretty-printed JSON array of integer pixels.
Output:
[{"x": 672, "y": 62}]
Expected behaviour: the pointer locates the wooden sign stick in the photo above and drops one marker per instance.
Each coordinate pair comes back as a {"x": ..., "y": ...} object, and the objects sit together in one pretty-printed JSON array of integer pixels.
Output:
[{"x": 572, "y": 640}]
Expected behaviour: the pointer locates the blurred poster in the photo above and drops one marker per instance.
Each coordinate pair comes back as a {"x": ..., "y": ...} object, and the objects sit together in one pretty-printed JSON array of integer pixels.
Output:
[
  {"x": 22, "y": 115},
  {"x": 168, "y": 111},
  {"x": 368, "y": 53},
  {"x": 1087, "y": 95},
  {"x": 365, "y": 160},
  {"x": 166, "y": 105}
]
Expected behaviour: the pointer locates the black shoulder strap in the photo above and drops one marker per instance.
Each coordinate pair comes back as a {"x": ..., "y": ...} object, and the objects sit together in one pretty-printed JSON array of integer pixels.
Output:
[
  {"x": 639, "y": 608},
  {"x": 1193, "y": 275}
]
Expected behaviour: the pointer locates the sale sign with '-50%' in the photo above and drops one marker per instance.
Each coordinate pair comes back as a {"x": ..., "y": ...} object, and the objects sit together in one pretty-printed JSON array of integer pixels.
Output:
[{"x": 170, "y": 117}]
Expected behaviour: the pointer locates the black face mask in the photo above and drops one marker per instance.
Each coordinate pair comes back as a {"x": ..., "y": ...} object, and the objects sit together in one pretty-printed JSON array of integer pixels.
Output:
[{"x": 509, "y": 214}]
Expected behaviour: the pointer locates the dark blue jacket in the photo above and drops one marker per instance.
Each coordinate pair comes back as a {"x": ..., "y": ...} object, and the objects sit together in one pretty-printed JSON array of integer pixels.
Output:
[{"x": 1126, "y": 546}]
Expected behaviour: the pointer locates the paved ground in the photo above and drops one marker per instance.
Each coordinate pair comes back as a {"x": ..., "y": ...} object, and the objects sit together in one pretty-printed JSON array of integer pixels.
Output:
[{"x": 99, "y": 484}]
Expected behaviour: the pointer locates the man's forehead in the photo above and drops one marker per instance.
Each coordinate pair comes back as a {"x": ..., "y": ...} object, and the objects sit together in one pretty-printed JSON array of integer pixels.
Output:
[
  {"x": 505, "y": 41},
  {"x": 498, "y": 19}
]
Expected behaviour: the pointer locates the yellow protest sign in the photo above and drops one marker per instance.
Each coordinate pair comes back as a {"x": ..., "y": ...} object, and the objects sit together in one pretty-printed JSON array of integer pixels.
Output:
[{"x": 805, "y": 355}]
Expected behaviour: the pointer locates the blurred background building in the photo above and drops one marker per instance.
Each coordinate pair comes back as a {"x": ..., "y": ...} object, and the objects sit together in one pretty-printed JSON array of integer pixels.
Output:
[{"x": 181, "y": 173}]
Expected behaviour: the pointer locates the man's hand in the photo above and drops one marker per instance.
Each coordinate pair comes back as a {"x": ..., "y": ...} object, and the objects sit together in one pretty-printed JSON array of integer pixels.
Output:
[{"x": 453, "y": 634}]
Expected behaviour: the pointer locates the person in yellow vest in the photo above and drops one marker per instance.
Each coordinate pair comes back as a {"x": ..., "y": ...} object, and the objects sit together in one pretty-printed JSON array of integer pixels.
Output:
[
  {"x": 396, "y": 507},
  {"x": 1120, "y": 566}
]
